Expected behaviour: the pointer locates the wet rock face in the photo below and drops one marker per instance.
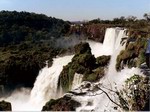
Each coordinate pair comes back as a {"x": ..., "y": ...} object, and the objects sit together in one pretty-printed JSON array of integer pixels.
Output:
[
  {"x": 62, "y": 104},
  {"x": 92, "y": 31},
  {"x": 5, "y": 106},
  {"x": 96, "y": 32}
]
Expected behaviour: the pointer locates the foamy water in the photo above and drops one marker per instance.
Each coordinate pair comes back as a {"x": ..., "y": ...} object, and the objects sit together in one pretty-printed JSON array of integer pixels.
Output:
[
  {"x": 112, "y": 81},
  {"x": 45, "y": 86},
  {"x": 101, "y": 102}
]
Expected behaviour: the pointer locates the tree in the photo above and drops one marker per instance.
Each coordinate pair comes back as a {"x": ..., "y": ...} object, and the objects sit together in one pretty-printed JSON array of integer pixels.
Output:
[
  {"x": 95, "y": 21},
  {"x": 147, "y": 16},
  {"x": 131, "y": 18}
]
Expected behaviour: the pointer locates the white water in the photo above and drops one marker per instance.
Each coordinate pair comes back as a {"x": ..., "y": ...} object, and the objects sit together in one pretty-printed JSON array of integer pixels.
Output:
[
  {"x": 117, "y": 47},
  {"x": 101, "y": 103},
  {"x": 77, "y": 80},
  {"x": 46, "y": 84},
  {"x": 45, "y": 88},
  {"x": 110, "y": 39},
  {"x": 20, "y": 100},
  {"x": 96, "y": 48},
  {"x": 112, "y": 80}
]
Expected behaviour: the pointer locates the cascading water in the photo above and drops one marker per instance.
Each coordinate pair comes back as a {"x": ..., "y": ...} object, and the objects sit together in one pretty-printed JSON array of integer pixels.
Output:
[
  {"x": 98, "y": 101},
  {"x": 109, "y": 40},
  {"x": 116, "y": 50},
  {"x": 112, "y": 80},
  {"x": 76, "y": 80},
  {"x": 112, "y": 39},
  {"x": 46, "y": 83},
  {"x": 45, "y": 88}
]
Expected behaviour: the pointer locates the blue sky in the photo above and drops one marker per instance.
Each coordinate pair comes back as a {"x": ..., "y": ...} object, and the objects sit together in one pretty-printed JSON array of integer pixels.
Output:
[{"x": 80, "y": 9}]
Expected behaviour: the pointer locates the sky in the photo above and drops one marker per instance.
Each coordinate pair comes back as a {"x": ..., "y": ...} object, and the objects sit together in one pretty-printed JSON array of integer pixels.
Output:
[{"x": 78, "y": 10}]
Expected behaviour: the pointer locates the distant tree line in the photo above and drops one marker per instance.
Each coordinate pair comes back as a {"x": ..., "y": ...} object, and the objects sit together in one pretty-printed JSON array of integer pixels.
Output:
[
  {"x": 121, "y": 19},
  {"x": 130, "y": 21}
]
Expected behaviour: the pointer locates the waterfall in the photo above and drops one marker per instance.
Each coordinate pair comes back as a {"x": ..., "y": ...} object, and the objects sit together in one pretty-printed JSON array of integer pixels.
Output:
[
  {"x": 45, "y": 86},
  {"x": 112, "y": 80},
  {"x": 112, "y": 39},
  {"x": 109, "y": 40},
  {"x": 76, "y": 80},
  {"x": 117, "y": 47},
  {"x": 99, "y": 49}
]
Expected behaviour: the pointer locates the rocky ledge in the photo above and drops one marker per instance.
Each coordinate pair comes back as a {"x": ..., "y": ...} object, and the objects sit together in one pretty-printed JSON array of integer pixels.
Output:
[
  {"x": 62, "y": 104},
  {"x": 5, "y": 106}
]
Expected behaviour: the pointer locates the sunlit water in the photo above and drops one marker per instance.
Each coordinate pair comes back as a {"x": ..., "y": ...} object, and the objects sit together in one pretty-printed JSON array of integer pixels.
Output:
[{"x": 45, "y": 86}]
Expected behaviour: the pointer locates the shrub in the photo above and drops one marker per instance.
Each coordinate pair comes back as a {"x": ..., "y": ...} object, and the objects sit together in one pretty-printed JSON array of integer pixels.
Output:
[{"x": 135, "y": 94}]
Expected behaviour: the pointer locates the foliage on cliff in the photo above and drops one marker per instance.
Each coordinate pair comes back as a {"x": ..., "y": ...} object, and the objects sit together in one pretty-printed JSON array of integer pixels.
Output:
[
  {"x": 83, "y": 63},
  {"x": 27, "y": 40},
  {"x": 135, "y": 94},
  {"x": 20, "y": 64},
  {"x": 133, "y": 55}
]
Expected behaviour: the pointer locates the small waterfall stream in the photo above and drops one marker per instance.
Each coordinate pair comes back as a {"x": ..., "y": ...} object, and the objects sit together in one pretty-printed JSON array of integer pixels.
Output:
[{"x": 76, "y": 80}]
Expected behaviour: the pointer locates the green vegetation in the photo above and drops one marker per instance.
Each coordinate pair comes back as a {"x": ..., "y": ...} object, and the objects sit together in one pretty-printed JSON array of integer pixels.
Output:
[
  {"x": 133, "y": 55},
  {"x": 27, "y": 40},
  {"x": 135, "y": 95},
  {"x": 102, "y": 60},
  {"x": 83, "y": 63},
  {"x": 130, "y": 22},
  {"x": 20, "y": 64},
  {"x": 95, "y": 29},
  {"x": 96, "y": 75},
  {"x": 16, "y": 27}
]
